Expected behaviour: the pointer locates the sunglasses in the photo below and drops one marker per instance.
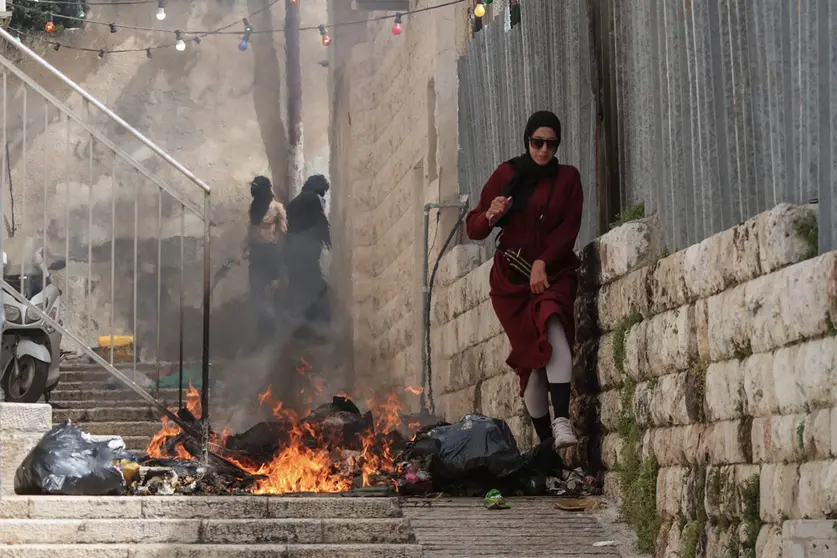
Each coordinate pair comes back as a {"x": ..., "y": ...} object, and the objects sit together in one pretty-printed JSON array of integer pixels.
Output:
[{"x": 538, "y": 143}]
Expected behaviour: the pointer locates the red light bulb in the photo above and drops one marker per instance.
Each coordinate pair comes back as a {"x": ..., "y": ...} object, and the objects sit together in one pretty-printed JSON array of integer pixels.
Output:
[
  {"x": 326, "y": 40},
  {"x": 50, "y": 27},
  {"x": 396, "y": 27}
]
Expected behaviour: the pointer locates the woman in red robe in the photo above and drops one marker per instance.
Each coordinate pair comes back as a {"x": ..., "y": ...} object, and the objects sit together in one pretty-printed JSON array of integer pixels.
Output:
[{"x": 536, "y": 203}]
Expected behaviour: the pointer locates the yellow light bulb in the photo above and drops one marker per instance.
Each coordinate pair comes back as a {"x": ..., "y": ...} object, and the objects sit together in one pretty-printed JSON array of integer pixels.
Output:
[{"x": 479, "y": 11}]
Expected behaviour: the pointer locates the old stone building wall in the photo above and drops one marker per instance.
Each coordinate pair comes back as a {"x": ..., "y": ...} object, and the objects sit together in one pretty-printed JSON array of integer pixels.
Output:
[
  {"x": 714, "y": 382},
  {"x": 217, "y": 110},
  {"x": 703, "y": 380},
  {"x": 394, "y": 136}
]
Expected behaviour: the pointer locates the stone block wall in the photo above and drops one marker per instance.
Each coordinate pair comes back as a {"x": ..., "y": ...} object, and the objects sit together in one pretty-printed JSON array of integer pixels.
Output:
[
  {"x": 706, "y": 383},
  {"x": 394, "y": 137}
]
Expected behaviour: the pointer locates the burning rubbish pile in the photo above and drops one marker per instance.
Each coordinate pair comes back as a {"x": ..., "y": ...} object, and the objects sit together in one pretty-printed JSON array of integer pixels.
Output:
[{"x": 333, "y": 448}]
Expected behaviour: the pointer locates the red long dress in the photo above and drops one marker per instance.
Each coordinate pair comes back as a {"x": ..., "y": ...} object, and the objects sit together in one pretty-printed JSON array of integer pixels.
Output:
[{"x": 523, "y": 314}]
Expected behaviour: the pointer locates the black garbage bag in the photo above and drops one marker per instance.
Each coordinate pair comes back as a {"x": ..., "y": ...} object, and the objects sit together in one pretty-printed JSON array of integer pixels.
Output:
[
  {"x": 337, "y": 424},
  {"x": 261, "y": 442},
  {"x": 475, "y": 454},
  {"x": 66, "y": 462}
]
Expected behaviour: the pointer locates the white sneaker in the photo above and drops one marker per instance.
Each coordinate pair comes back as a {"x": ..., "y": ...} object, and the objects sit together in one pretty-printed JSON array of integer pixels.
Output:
[{"x": 563, "y": 434}]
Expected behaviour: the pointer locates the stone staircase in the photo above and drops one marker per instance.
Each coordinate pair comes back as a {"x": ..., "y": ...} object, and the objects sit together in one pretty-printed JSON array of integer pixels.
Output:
[
  {"x": 186, "y": 527},
  {"x": 82, "y": 397}
]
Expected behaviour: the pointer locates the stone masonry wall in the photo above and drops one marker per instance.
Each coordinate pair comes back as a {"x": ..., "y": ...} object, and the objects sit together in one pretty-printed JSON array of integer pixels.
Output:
[
  {"x": 394, "y": 133},
  {"x": 704, "y": 381},
  {"x": 715, "y": 383}
]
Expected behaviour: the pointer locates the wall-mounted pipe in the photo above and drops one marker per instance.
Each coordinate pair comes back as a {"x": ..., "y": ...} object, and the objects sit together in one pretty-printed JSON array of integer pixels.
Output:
[{"x": 427, "y": 291}]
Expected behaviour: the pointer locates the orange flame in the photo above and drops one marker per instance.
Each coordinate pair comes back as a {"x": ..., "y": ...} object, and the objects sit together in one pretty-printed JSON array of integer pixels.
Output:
[
  {"x": 297, "y": 466},
  {"x": 414, "y": 390},
  {"x": 170, "y": 430}
]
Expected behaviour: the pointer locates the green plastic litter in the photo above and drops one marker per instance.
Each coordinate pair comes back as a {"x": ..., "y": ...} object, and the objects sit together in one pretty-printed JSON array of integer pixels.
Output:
[
  {"x": 495, "y": 501},
  {"x": 194, "y": 375}
]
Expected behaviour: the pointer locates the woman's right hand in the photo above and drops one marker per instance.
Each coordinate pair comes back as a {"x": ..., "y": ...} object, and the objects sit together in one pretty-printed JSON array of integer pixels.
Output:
[{"x": 499, "y": 206}]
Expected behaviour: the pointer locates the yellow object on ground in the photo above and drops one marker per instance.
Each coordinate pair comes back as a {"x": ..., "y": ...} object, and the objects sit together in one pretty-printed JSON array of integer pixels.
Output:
[
  {"x": 118, "y": 340},
  {"x": 123, "y": 347}
]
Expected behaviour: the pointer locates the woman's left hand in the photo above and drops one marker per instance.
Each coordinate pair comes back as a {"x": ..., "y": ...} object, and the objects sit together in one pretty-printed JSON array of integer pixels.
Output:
[{"x": 538, "y": 281}]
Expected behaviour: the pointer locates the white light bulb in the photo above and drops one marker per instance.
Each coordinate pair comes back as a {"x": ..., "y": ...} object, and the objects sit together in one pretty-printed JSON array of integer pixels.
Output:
[
  {"x": 180, "y": 45},
  {"x": 161, "y": 14}
]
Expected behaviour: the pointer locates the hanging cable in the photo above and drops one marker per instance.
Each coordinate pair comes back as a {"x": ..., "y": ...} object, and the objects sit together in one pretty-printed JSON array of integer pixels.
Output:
[
  {"x": 76, "y": 2},
  {"x": 11, "y": 189},
  {"x": 224, "y": 30},
  {"x": 462, "y": 212},
  {"x": 198, "y": 35}
]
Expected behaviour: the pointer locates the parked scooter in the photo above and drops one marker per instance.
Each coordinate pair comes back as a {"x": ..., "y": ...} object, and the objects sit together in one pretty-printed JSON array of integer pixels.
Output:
[{"x": 31, "y": 349}]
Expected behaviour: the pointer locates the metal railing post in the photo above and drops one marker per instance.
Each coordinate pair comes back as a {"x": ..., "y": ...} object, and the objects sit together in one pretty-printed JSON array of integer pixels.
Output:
[
  {"x": 99, "y": 105},
  {"x": 82, "y": 330},
  {"x": 3, "y": 213},
  {"x": 207, "y": 231}
]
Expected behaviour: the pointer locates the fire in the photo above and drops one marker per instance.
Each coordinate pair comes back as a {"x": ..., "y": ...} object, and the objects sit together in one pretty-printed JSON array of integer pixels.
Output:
[
  {"x": 170, "y": 429},
  {"x": 297, "y": 466},
  {"x": 414, "y": 390}
]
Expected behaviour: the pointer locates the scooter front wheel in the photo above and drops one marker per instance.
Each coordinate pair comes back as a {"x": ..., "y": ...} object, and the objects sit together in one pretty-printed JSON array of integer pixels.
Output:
[{"x": 24, "y": 380}]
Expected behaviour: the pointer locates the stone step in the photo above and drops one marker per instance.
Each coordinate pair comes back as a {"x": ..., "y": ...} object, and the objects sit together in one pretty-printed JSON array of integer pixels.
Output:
[
  {"x": 61, "y": 394},
  {"x": 135, "y": 442},
  {"x": 91, "y": 404},
  {"x": 198, "y": 507},
  {"x": 106, "y": 414},
  {"x": 212, "y": 551},
  {"x": 102, "y": 375},
  {"x": 99, "y": 375},
  {"x": 204, "y": 531},
  {"x": 147, "y": 368},
  {"x": 123, "y": 429},
  {"x": 101, "y": 384}
]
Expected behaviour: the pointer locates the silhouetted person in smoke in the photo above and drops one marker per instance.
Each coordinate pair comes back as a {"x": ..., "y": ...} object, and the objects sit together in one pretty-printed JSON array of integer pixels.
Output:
[
  {"x": 308, "y": 234},
  {"x": 267, "y": 220}
]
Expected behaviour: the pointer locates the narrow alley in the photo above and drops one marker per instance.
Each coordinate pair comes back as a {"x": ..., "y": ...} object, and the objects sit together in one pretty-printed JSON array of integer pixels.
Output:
[{"x": 418, "y": 279}]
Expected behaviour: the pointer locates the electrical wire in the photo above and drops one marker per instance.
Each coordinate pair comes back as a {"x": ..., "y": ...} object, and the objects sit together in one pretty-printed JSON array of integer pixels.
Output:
[
  {"x": 147, "y": 50},
  {"x": 223, "y": 30},
  {"x": 112, "y": 25},
  {"x": 78, "y": 2},
  {"x": 198, "y": 35},
  {"x": 428, "y": 312}
]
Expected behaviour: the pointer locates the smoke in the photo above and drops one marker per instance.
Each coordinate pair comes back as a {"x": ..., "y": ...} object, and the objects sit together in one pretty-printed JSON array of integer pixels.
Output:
[{"x": 26, "y": 251}]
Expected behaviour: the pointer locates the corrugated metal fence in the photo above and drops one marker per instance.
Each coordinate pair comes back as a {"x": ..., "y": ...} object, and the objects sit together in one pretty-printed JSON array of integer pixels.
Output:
[
  {"x": 543, "y": 63},
  {"x": 714, "y": 111}
]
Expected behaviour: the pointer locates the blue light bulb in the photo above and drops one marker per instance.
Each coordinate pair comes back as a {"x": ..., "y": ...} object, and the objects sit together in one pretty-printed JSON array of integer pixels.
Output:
[{"x": 242, "y": 46}]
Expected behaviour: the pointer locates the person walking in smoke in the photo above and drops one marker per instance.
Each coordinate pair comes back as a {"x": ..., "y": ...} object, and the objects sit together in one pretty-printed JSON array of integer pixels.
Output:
[
  {"x": 537, "y": 204},
  {"x": 267, "y": 219},
  {"x": 308, "y": 234}
]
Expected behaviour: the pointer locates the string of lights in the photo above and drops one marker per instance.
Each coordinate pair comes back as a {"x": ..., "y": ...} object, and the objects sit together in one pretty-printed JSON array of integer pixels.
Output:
[
  {"x": 76, "y": 2},
  {"x": 197, "y": 35}
]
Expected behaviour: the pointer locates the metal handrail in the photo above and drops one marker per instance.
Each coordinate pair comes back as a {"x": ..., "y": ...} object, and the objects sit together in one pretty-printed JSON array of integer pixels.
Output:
[
  {"x": 84, "y": 123},
  {"x": 100, "y": 137},
  {"x": 98, "y": 104}
]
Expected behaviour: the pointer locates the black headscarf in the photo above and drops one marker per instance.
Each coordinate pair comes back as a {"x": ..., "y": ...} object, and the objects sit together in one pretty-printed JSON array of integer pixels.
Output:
[
  {"x": 262, "y": 192},
  {"x": 527, "y": 173},
  {"x": 317, "y": 184},
  {"x": 305, "y": 212}
]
